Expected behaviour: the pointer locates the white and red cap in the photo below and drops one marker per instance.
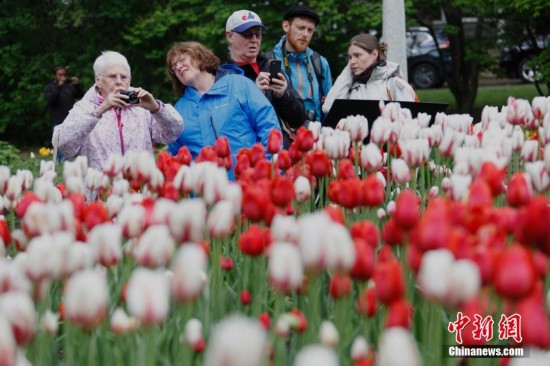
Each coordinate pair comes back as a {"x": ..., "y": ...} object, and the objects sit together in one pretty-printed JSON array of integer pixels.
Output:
[{"x": 242, "y": 20}]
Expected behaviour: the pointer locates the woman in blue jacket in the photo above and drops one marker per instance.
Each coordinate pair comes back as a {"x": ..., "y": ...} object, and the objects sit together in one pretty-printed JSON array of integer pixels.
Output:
[{"x": 216, "y": 101}]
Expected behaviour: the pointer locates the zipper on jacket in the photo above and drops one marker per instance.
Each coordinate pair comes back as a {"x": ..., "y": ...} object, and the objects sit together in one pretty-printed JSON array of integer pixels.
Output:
[
  {"x": 213, "y": 127},
  {"x": 118, "y": 116}
]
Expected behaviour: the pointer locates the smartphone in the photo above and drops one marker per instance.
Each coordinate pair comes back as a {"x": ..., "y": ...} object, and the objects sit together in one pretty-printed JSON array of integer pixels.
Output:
[{"x": 274, "y": 68}]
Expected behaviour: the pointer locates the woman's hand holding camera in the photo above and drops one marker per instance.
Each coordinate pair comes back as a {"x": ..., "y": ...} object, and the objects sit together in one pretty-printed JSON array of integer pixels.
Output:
[{"x": 121, "y": 98}]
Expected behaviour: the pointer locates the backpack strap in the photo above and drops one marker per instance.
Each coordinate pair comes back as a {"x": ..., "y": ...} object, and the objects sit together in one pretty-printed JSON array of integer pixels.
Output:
[
  {"x": 390, "y": 88},
  {"x": 318, "y": 68}
]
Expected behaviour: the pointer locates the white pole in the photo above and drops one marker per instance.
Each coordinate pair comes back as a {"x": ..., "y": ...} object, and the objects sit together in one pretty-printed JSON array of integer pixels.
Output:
[{"x": 393, "y": 32}]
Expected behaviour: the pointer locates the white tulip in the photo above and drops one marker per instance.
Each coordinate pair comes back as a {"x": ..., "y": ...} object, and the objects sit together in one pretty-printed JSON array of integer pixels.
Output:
[
  {"x": 86, "y": 298},
  {"x": 397, "y": 338},
  {"x": 316, "y": 355},
  {"x": 249, "y": 348},
  {"x": 148, "y": 296},
  {"x": 285, "y": 267},
  {"x": 189, "y": 269}
]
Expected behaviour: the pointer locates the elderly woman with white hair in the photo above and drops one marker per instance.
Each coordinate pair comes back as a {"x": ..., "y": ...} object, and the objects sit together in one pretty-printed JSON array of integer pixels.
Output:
[{"x": 113, "y": 117}]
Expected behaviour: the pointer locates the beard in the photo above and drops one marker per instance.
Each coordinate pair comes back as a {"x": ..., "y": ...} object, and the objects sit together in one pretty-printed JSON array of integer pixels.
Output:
[{"x": 298, "y": 46}]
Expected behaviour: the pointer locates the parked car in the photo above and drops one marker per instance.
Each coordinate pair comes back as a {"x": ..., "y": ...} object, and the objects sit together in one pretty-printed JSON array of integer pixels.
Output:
[
  {"x": 515, "y": 60},
  {"x": 425, "y": 68}
]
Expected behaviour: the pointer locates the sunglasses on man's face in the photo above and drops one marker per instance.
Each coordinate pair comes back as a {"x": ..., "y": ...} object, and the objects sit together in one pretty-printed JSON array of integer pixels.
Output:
[{"x": 249, "y": 35}]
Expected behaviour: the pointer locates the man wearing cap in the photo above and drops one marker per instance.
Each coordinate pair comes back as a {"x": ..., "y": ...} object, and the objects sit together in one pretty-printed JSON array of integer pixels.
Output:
[
  {"x": 243, "y": 31},
  {"x": 308, "y": 72}
]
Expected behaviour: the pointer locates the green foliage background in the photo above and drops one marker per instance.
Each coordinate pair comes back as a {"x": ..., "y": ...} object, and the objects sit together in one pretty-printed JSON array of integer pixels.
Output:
[{"x": 36, "y": 36}]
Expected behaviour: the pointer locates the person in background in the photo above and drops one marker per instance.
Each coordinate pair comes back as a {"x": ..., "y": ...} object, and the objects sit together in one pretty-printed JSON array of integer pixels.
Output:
[
  {"x": 368, "y": 75},
  {"x": 243, "y": 31},
  {"x": 216, "y": 101},
  {"x": 307, "y": 70},
  {"x": 61, "y": 94},
  {"x": 113, "y": 117}
]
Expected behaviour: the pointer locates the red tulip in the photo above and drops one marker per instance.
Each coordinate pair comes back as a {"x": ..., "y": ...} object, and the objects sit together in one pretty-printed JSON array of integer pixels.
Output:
[
  {"x": 434, "y": 228},
  {"x": 515, "y": 273},
  {"x": 226, "y": 263},
  {"x": 257, "y": 153},
  {"x": 95, "y": 214},
  {"x": 283, "y": 160},
  {"x": 339, "y": 286},
  {"x": 262, "y": 170},
  {"x": 222, "y": 147},
  {"x": 274, "y": 141},
  {"x": 207, "y": 153},
  {"x": 243, "y": 163},
  {"x": 392, "y": 233},
  {"x": 532, "y": 223},
  {"x": 246, "y": 297},
  {"x": 184, "y": 156},
  {"x": 504, "y": 218},
  {"x": 400, "y": 314},
  {"x": 304, "y": 139},
  {"x": 367, "y": 231},
  {"x": 486, "y": 260},
  {"x": 346, "y": 170},
  {"x": 294, "y": 153},
  {"x": 390, "y": 285},
  {"x": 319, "y": 163},
  {"x": 346, "y": 193},
  {"x": 535, "y": 330},
  {"x": 254, "y": 203},
  {"x": 253, "y": 241},
  {"x": 265, "y": 321},
  {"x": 519, "y": 192},
  {"x": 25, "y": 202},
  {"x": 5, "y": 235},
  {"x": 366, "y": 303},
  {"x": 373, "y": 191},
  {"x": 406, "y": 210},
  {"x": 301, "y": 324},
  {"x": 282, "y": 191},
  {"x": 493, "y": 176},
  {"x": 364, "y": 260},
  {"x": 336, "y": 214}
]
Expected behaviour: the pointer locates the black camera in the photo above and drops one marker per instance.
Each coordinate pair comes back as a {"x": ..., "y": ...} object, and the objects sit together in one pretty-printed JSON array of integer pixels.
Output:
[{"x": 132, "y": 96}]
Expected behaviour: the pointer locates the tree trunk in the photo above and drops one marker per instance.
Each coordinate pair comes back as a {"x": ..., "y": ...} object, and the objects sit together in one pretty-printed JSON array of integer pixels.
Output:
[{"x": 463, "y": 80}]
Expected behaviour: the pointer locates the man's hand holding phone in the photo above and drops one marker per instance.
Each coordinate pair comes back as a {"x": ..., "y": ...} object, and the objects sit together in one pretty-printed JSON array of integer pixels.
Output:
[{"x": 277, "y": 81}]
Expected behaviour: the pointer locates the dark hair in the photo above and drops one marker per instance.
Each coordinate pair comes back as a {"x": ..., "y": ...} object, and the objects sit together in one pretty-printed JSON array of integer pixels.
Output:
[
  {"x": 57, "y": 68},
  {"x": 202, "y": 57},
  {"x": 370, "y": 43}
]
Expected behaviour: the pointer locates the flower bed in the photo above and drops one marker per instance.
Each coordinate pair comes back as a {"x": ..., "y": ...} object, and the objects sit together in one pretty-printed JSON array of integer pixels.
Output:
[{"x": 333, "y": 252}]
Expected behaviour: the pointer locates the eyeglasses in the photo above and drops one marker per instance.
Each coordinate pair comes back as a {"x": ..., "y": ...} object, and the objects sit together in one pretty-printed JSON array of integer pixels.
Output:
[
  {"x": 249, "y": 35},
  {"x": 179, "y": 61},
  {"x": 114, "y": 77}
]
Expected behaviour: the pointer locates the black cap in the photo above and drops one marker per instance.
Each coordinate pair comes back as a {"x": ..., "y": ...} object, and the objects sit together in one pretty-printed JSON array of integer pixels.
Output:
[{"x": 302, "y": 11}]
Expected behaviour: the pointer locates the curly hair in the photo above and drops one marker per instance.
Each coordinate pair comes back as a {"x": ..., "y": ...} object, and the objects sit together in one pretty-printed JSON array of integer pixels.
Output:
[
  {"x": 370, "y": 43},
  {"x": 202, "y": 58}
]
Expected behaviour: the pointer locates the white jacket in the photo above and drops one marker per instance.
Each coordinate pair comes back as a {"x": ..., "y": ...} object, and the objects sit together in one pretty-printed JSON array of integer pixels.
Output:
[{"x": 384, "y": 80}]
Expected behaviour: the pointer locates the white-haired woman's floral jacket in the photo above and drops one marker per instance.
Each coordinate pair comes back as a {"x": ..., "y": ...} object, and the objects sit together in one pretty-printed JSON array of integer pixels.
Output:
[{"x": 114, "y": 132}]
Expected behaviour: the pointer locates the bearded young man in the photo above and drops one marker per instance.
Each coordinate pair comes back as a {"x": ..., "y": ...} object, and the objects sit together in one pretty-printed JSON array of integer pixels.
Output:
[
  {"x": 243, "y": 31},
  {"x": 307, "y": 71}
]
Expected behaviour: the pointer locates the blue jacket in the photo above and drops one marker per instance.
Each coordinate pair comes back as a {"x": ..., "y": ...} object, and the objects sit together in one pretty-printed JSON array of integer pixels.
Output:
[
  {"x": 234, "y": 107},
  {"x": 300, "y": 80}
]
